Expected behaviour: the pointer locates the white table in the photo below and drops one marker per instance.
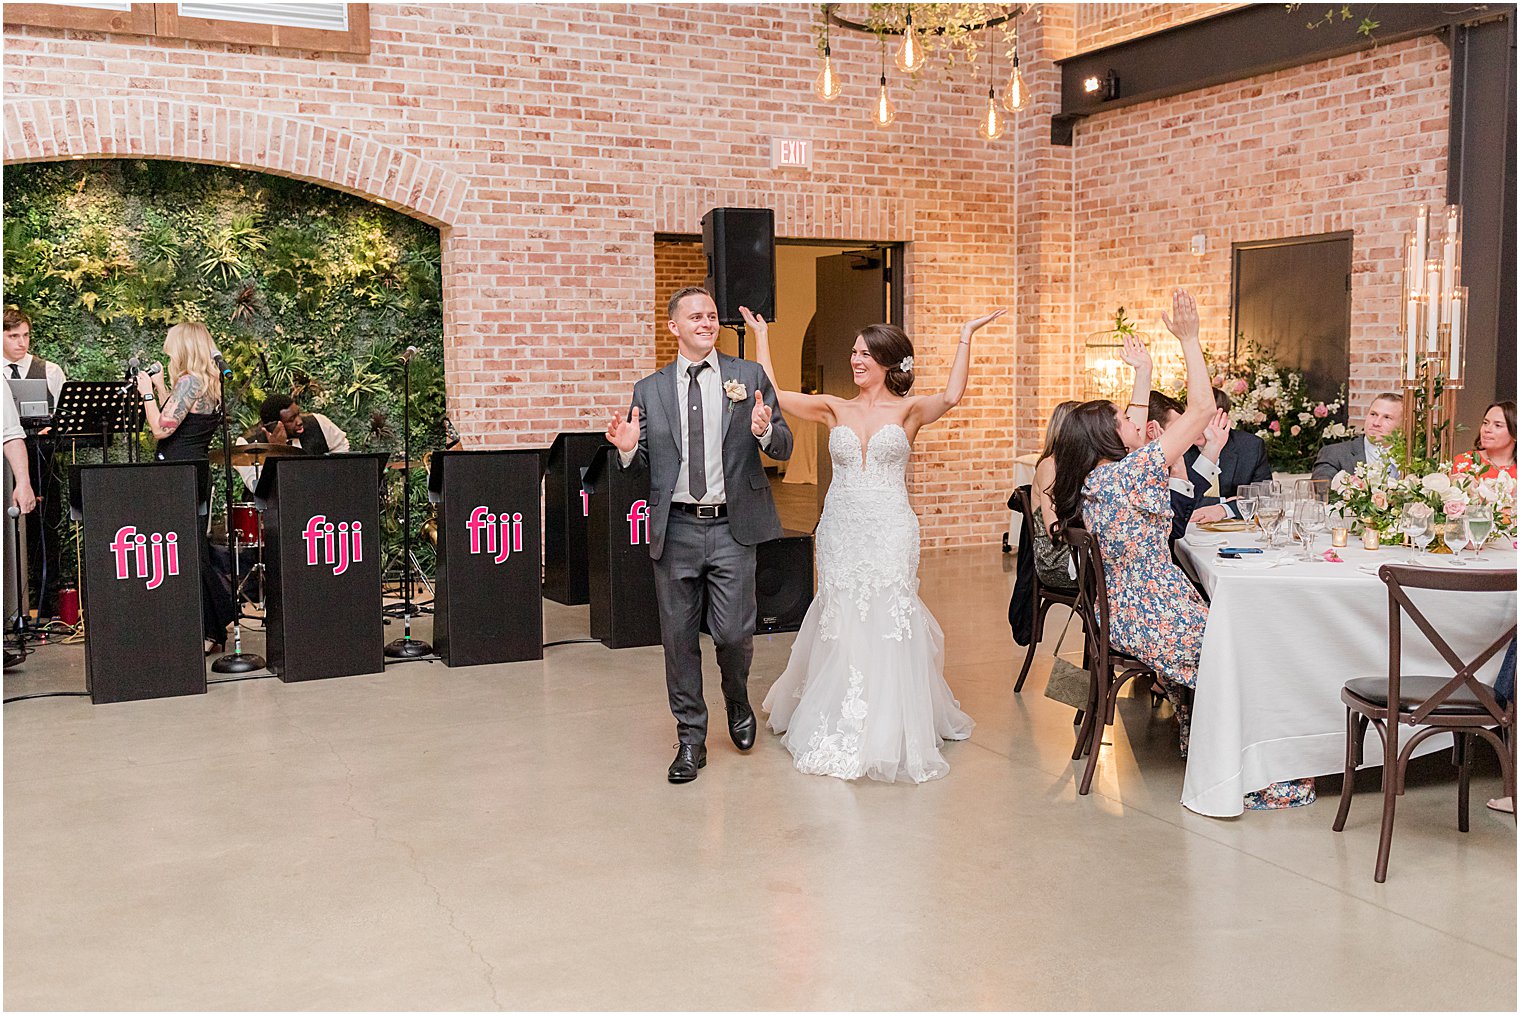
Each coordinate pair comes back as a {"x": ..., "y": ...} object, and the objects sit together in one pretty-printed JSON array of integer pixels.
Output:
[{"x": 1280, "y": 643}]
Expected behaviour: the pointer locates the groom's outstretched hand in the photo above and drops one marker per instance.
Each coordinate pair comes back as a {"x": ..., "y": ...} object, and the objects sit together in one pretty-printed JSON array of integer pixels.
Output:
[
  {"x": 624, "y": 434},
  {"x": 760, "y": 420}
]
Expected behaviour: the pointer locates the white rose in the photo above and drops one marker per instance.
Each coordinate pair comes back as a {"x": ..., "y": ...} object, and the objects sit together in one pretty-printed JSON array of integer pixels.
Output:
[{"x": 1436, "y": 482}]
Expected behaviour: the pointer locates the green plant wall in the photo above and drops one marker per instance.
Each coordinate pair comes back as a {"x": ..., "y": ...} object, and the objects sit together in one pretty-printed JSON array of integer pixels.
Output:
[{"x": 306, "y": 290}]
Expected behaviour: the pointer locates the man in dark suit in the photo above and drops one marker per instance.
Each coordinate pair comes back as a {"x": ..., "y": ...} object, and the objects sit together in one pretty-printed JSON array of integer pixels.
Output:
[
  {"x": 1217, "y": 479},
  {"x": 709, "y": 505},
  {"x": 1384, "y": 416}
]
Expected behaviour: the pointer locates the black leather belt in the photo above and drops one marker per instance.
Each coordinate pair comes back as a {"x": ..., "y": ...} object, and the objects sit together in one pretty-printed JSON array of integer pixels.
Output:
[{"x": 701, "y": 510}]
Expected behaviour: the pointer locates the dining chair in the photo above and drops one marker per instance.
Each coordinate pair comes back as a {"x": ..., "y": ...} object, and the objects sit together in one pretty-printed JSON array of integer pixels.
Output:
[
  {"x": 1456, "y": 703},
  {"x": 1102, "y": 657},
  {"x": 1044, "y": 596}
]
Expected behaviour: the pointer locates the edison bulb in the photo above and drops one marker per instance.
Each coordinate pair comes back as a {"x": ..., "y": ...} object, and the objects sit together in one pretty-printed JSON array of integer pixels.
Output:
[
  {"x": 885, "y": 112},
  {"x": 827, "y": 86},
  {"x": 991, "y": 126},
  {"x": 1016, "y": 94},
  {"x": 910, "y": 55}
]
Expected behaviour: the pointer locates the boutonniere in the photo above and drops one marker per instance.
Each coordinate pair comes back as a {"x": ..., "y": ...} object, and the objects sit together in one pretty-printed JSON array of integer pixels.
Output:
[{"x": 736, "y": 392}]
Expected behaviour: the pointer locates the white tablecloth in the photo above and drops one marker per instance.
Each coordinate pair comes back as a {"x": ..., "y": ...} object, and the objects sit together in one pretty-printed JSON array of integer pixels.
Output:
[{"x": 1280, "y": 643}]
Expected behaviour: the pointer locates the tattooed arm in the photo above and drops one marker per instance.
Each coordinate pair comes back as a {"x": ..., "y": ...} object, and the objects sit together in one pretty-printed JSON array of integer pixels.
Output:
[{"x": 164, "y": 421}]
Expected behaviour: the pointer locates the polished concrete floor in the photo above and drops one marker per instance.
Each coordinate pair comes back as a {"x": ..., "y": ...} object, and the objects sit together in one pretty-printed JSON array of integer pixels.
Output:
[{"x": 504, "y": 837}]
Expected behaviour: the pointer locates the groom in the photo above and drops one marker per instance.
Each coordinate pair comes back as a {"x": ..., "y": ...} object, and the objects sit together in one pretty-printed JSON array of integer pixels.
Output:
[{"x": 698, "y": 427}]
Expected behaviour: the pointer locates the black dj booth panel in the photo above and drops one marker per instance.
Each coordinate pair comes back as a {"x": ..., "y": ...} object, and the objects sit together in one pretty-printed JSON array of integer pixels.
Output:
[
  {"x": 322, "y": 546},
  {"x": 489, "y": 606},
  {"x": 566, "y": 509},
  {"x": 141, "y": 532},
  {"x": 624, "y": 613}
]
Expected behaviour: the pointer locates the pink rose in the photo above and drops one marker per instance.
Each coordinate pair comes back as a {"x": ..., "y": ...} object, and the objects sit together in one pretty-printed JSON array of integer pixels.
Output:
[
  {"x": 1276, "y": 427},
  {"x": 1321, "y": 411},
  {"x": 1455, "y": 508},
  {"x": 1380, "y": 500},
  {"x": 1219, "y": 380},
  {"x": 1239, "y": 386},
  {"x": 1296, "y": 430}
]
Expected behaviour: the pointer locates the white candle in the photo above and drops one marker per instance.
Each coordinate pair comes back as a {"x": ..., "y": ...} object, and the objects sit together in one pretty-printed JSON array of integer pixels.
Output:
[
  {"x": 1454, "y": 370},
  {"x": 1448, "y": 263},
  {"x": 1412, "y": 335},
  {"x": 1411, "y": 267},
  {"x": 1432, "y": 304},
  {"x": 1421, "y": 227}
]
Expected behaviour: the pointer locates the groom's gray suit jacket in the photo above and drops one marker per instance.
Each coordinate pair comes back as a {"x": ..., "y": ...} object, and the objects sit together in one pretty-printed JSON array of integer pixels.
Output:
[{"x": 751, "y": 509}]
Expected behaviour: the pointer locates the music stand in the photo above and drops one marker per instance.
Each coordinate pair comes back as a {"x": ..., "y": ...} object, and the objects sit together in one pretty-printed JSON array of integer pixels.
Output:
[{"x": 97, "y": 408}]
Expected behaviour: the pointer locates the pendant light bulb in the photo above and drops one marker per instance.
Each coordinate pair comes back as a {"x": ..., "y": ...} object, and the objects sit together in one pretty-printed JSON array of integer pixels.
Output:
[
  {"x": 885, "y": 111},
  {"x": 1017, "y": 93},
  {"x": 827, "y": 87},
  {"x": 910, "y": 55},
  {"x": 991, "y": 127}
]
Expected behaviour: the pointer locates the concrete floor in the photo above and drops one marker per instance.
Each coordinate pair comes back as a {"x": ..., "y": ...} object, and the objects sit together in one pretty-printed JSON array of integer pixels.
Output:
[{"x": 504, "y": 837}]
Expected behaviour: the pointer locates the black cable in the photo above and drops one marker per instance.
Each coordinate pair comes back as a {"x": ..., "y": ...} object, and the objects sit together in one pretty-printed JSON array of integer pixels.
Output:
[
  {"x": 573, "y": 641},
  {"x": 48, "y": 694},
  {"x": 233, "y": 680}
]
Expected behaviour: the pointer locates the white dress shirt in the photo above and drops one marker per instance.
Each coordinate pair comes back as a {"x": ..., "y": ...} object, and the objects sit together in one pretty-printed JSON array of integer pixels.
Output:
[
  {"x": 54, "y": 372},
  {"x": 337, "y": 444},
  {"x": 11, "y": 424},
  {"x": 715, "y": 407}
]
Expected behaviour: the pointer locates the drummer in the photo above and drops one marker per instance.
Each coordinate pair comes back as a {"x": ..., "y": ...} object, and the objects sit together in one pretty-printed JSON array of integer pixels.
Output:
[{"x": 282, "y": 422}]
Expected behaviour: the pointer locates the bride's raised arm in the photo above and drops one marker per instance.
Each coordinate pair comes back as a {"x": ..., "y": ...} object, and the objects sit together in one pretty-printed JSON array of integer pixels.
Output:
[
  {"x": 929, "y": 408},
  {"x": 793, "y": 403}
]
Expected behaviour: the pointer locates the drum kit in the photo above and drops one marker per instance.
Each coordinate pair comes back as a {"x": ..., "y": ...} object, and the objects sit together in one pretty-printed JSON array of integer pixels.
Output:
[{"x": 245, "y": 523}]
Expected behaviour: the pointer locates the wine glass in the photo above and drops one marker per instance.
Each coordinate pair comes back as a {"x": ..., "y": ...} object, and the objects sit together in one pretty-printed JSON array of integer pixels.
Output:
[
  {"x": 1268, "y": 511},
  {"x": 1414, "y": 521},
  {"x": 1310, "y": 519},
  {"x": 1480, "y": 523},
  {"x": 1245, "y": 502},
  {"x": 1454, "y": 534},
  {"x": 1312, "y": 489}
]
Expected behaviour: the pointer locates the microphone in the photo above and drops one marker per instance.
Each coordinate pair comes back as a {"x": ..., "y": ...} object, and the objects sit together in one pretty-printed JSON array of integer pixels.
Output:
[
  {"x": 411, "y": 351},
  {"x": 13, "y": 511},
  {"x": 221, "y": 364}
]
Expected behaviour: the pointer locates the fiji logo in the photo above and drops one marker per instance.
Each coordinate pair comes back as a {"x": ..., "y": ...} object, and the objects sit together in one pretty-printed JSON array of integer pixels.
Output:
[
  {"x": 497, "y": 536},
  {"x": 340, "y": 545},
  {"x": 155, "y": 556},
  {"x": 638, "y": 523}
]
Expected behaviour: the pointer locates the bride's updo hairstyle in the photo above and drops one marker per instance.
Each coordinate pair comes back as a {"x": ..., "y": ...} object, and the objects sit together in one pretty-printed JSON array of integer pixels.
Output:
[{"x": 889, "y": 345}]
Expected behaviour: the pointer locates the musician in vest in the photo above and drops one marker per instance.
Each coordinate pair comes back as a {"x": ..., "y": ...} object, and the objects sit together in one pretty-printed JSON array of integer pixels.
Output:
[
  {"x": 281, "y": 421},
  {"x": 44, "y": 555}
]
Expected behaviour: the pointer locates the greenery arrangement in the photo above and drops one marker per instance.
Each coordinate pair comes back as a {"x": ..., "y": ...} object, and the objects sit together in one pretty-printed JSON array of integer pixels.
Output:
[
  {"x": 947, "y": 32},
  {"x": 1271, "y": 403},
  {"x": 306, "y": 290}
]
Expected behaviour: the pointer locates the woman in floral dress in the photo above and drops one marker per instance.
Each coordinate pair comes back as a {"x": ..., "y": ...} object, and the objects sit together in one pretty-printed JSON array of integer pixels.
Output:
[{"x": 1114, "y": 483}]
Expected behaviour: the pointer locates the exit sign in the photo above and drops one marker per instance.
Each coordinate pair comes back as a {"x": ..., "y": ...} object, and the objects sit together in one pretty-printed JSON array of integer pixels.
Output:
[{"x": 791, "y": 153}]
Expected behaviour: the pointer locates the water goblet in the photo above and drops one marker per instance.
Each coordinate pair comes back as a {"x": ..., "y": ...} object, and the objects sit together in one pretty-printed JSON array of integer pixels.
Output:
[{"x": 1480, "y": 523}]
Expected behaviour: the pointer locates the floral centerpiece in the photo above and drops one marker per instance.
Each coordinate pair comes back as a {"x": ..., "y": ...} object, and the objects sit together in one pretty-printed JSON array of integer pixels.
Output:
[{"x": 1271, "y": 403}]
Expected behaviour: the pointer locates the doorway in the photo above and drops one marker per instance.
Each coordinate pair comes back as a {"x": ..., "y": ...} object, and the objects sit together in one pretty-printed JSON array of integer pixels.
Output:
[{"x": 826, "y": 291}]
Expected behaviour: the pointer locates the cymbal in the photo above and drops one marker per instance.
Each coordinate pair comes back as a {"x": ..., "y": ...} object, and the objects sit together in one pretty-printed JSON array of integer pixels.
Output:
[{"x": 254, "y": 454}]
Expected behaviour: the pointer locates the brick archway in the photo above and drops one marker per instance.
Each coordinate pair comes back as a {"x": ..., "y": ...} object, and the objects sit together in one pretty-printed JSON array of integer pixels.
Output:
[{"x": 130, "y": 127}]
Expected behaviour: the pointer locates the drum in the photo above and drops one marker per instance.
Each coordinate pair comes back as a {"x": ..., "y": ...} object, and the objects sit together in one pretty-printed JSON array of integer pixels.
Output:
[{"x": 245, "y": 519}]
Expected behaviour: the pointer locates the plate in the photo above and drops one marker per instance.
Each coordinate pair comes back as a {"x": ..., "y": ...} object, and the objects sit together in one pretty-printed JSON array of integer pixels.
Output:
[
  {"x": 1204, "y": 539},
  {"x": 1229, "y": 525}
]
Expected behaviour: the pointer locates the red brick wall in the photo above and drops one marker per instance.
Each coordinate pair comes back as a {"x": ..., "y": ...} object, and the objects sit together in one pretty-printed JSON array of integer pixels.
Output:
[
  {"x": 576, "y": 133},
  {"x": 1099, "y": 25},
  {"x": 1349, "y": 144},
  {"x": 676, "y": 266}
]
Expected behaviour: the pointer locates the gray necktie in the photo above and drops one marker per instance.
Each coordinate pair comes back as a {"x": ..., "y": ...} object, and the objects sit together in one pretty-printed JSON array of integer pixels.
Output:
[
  {"x": 15, "y": 372},
  {"x": 696, "y": 437}
]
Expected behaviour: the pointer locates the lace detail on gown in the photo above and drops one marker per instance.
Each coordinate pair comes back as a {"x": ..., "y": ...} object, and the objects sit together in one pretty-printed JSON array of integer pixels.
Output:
[{"x": 864, "y": 693}]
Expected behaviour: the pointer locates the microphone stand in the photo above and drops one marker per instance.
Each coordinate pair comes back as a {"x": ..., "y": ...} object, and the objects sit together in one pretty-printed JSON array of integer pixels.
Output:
[
  {"x": 236, "y": 661},
  {"x": 407, "y": 647}
]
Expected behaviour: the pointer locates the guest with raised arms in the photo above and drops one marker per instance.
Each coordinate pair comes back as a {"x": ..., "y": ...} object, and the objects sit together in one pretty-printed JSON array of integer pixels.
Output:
[
  {"x": 1189, "y": 482},
  {"x": 1116, "y": 485},
  {"x": 1494, "y": 450},
  {"x": 1384, "y": 416},
  {"x": 864, "y": 694}
]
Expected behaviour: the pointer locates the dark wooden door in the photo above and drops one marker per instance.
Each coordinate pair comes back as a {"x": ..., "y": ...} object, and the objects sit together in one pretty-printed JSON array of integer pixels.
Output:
[
  {"x": 1292, "y": 297},
  {"x": 854, "y": 290}
]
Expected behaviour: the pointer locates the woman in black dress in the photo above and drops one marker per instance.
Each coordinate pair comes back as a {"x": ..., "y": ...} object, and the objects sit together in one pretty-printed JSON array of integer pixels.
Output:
[{"x": 184, "y": 418}]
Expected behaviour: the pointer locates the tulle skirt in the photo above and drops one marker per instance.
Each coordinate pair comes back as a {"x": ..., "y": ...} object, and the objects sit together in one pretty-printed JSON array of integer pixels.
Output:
[{"x": 864, "y": 694}]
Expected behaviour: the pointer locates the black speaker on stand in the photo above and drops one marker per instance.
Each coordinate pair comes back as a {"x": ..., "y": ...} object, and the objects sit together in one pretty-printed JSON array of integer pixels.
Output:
[{"x": 740, "y": 244}]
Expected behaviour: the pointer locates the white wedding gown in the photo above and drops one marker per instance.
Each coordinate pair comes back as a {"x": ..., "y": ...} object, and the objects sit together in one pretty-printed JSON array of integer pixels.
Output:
[{"x": 864, "y": 693}]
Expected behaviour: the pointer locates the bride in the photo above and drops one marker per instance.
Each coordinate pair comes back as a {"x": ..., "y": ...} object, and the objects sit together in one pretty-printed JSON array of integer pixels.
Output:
[{"x": 864, "y": 693}]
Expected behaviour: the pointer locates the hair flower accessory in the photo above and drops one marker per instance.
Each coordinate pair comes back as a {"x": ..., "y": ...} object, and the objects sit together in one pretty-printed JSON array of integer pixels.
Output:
[{"x": 906, "y": 366}]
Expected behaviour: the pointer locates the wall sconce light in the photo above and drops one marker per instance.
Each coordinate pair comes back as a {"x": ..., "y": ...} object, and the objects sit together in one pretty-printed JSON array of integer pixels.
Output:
[
  {"x": 1092, "y": 85},
  {"x": 1106, "y": 87}
]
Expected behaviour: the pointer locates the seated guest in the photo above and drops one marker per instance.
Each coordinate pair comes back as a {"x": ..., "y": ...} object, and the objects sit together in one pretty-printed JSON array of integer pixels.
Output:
[
  {"x": 1110, "y": 481},
  {"x": 1052, "y": 560},
  {"x": 1384, "y": 416},
  {"x": 1494, "y": 450},
  {"x": 1242, "y": 460},
  {"x": 1190, "y": 481},
  {"x": 282, "y": 422}
]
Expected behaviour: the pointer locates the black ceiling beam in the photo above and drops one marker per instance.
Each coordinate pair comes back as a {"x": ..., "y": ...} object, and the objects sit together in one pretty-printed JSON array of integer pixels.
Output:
[{"x": 1236, "y": 45}]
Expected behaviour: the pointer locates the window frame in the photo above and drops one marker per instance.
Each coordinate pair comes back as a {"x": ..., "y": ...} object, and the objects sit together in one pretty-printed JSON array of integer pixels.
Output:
[{"x": 164, "y": 21}]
